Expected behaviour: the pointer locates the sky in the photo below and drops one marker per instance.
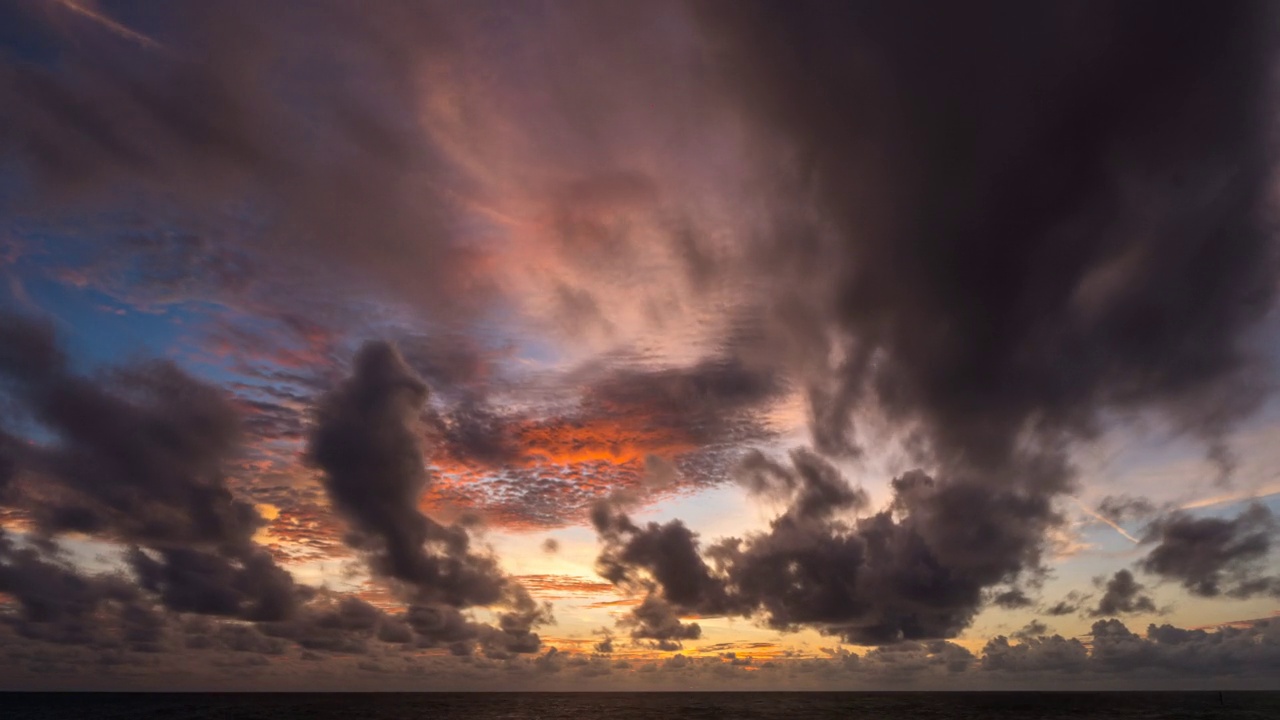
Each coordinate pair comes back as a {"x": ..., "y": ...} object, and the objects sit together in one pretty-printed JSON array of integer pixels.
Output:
[{"x": 612, "y": 345}]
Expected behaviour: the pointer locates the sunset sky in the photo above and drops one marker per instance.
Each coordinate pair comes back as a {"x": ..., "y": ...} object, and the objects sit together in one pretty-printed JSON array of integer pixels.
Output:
[{"x": 620, "y": 345}]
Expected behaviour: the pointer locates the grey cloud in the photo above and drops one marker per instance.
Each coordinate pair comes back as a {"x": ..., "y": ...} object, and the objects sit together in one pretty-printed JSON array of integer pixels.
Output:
[
  {"x": 998, "y": 257},
  {"x": 1211, "y": 556},
  {"x": 1005, "y": 250},
  {"x": 915, "y": 571},
  {"x": 812, "y": 488},
  {"x": 1252, "y": 650},
  {"x": 1054, "y": 654},
  {"x": 338, "y": 169},
  {"x": 655, "y": 619},
  {"x": 141, "y": 458},
  {"x": 1114, "y": 650},
  {"x": 1012, "y": 599},
  {"x": 55, "y": 602},
  {"x": 142, "y": 454},
  {"x": 249, "y": 586},
  {"x": 1068, "y": 605},
  {"x": 666, "y": 553},
  {"x": 367, "y": 442},
  {"x": 1120, "y": 508},
  {"x": 1033, "y": 629},
  {"x": 711, "y": 401},
  {"x": 905, "y": 659},
  {"x": 1123, "y": 595},
  {"x": 339, "y": 624}
]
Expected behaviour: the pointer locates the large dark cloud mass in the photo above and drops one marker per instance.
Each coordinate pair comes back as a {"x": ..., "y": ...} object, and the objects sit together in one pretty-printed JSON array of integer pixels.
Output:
[
  {"x": 973, "y": 236},
  {"x": 997, "y": 225},
  {"x": 367, "y": 442},
  {"x": 1026, "y": 214},
  {"x": 141, "y": 458}
]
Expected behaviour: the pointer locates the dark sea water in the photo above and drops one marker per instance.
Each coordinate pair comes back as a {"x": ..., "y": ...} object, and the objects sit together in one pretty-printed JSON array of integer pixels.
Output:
[{"x": 626, "y": 706}]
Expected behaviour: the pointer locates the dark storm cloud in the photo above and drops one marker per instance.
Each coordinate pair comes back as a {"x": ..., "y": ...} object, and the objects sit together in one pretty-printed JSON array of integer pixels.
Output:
[
  {"x": 906, "y": 573},
  {"x": 1003, "y": 251},
  {"x": 141, "y": 458},
  {"x": 811, "y": 488},
  {"x": 56, "y": 603},
  {"x": 906, "y": 659},
  {"x": 132, "y": 448},
  {"x": 1214, "y": 556},
  {"x": 367, "y": 443},
  {"x": 1009, "y": 248},
  {"x": 248, "y": 585},
  {"x": 8, "y": 462},
  {"x": 666, "y": 553},
  {"x": 1123, "y": 595}
]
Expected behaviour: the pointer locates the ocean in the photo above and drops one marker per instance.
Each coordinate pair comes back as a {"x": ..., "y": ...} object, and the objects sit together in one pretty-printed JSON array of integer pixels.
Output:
[{"x": 629, "y": 706}]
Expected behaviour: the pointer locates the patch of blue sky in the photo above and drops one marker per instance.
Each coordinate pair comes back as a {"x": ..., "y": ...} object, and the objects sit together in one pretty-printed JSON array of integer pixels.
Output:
[{"x": 95, "y": 328}]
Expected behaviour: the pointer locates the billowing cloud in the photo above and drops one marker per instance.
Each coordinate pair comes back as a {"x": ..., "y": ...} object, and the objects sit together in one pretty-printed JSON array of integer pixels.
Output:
[
  {"x": 622, "y": 244},
  {"x": 957, "y": 269},
  {"x": 655, "y": 619},
  {"x": 1213, "y": 556},
  {"x": 989, "y": 295},
  {"x": 141, "y": 458},
  {"x": 1123, "y": 594},
  {"x": 367, "y": 441},
  {"x": 901, "y": 574}
]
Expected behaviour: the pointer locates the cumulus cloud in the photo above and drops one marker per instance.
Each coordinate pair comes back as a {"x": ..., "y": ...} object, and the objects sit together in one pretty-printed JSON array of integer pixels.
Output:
[
  {"x": 141, "y": 458},
  {"x": 957, "y": 234},
  {"x": 994, "y": 262},
  {"x": 904, "y": 573},
  {"x": 1123, "y": 595},
  {"x": 1212, "y": 556},
  {"x": 367, "y": 443},
  {"x": 655, "y": 619},
  {"x": 1112, "y": 648}
]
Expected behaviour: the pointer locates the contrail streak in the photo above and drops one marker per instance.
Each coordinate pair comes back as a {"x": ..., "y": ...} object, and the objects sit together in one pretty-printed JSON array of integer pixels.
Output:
[
  {"x": 106, "y": 22},
  {"x": 1100, "y": 518}
]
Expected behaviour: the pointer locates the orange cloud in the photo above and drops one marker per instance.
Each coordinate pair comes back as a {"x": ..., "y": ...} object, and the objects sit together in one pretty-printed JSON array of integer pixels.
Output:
[
  {"x": 563, "y": 586},
  {"x": 573, "y": 462}
]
